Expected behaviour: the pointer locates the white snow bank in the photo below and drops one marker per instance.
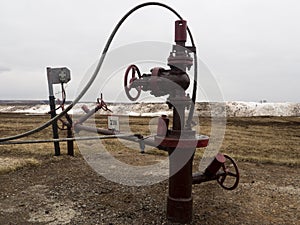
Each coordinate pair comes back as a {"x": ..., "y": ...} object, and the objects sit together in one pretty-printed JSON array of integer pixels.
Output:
[
  {"x": 233, "y": 109},
  {"x": 262, "y": 109}
]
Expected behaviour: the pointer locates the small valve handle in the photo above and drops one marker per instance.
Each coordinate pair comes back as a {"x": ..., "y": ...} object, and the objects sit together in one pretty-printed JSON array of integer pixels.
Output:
[
  {"x": 229, "y": 169},
  {"x": 128, "y": 86}
]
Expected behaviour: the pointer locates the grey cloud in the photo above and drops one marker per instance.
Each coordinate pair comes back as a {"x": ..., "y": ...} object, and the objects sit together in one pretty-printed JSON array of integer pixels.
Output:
[{"x": 4, "y": 69}]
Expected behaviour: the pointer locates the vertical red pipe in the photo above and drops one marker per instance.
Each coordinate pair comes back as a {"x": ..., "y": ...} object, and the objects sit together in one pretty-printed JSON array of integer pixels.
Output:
[{"x": 180, "y": 201}]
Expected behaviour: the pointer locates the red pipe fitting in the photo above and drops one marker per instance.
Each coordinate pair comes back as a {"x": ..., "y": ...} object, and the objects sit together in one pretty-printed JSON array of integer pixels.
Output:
[
  {"x": 215, "y": 165},
  {"x": 85, "y": 108},
  {"x": 162, "y": 126},
  {"x": 180, "y": 32}
]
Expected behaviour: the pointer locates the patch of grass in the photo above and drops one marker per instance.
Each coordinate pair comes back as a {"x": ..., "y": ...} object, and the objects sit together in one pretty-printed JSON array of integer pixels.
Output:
[
  {"x": 265, "y": 160},
  {"x": 9, "y": 164}
]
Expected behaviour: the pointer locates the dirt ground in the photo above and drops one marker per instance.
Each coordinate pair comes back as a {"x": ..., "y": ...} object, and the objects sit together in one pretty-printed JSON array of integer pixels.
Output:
[{"x": 65, "y": 190}]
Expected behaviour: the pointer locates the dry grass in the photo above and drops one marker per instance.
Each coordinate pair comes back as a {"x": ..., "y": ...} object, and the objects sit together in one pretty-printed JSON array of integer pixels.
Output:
[
  {"x": 13, "y": 157},
  {"x": 263, "y": 140},
  {"x": 8, "y": 164},
  {"x": 273, "y": 140}
]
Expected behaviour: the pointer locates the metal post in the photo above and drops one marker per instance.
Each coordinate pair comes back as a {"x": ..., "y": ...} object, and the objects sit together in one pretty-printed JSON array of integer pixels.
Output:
[
  {"x": 53, "y": 113},
  {"x": 54, "y": 124},
  {"x": 70, "y": 143}
]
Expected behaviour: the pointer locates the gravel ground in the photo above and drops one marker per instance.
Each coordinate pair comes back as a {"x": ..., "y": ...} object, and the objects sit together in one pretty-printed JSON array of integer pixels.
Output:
[{"x": 66, "y": 190}]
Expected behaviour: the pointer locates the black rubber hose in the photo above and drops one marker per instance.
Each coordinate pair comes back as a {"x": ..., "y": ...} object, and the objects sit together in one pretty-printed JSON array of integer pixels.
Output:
[
  {"x": 194, "y": 94},
  {"x": 99, "y": 65}
]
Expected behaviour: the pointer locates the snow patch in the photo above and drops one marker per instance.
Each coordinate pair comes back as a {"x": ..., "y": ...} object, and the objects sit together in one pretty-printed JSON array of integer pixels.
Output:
[{"x": 232, "y": 109}]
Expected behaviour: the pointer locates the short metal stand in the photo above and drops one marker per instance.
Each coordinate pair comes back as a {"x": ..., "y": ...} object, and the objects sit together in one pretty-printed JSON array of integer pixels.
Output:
[{"x": 57, "y": 76}]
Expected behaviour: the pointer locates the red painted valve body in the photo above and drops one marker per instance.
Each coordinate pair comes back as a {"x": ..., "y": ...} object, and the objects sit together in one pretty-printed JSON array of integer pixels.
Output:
[{"x": 162, "y": 126}]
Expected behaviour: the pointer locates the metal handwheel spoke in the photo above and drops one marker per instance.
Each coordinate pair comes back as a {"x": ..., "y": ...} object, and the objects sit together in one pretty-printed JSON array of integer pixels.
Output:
[
  {"x": 232, "y": 174},
  {"x": 128, "y": 86},
  {"x": 227, "y": 172}
]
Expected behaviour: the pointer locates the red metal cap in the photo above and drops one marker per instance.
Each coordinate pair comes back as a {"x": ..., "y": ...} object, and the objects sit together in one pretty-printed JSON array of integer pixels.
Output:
[
  {"x": 180, "y": 31},
  {"x": 85, "y": 108},
  {"x": 220, "y": 158}
]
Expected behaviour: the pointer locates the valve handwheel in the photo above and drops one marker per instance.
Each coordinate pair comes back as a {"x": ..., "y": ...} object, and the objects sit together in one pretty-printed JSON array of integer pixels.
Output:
[
  {"x": 230, "y": 176},
  {"x": 134, "y": 69}
]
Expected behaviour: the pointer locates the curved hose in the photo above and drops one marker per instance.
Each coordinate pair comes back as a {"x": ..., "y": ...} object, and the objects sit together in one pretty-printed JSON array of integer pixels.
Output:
[
  {"x": 192, "y": 107},
  {"x": 99, "y": 65}
]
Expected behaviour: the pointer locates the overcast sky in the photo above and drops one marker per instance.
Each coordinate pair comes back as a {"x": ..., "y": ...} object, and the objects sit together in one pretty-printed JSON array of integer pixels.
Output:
[{"x": 251, "y": 46}]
